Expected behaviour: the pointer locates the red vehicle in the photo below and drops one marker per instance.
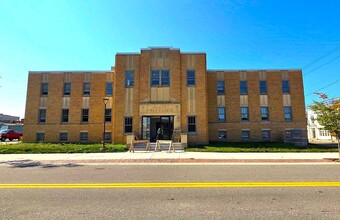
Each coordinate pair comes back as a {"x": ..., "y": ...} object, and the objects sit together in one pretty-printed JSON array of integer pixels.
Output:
[{"x": 9, "y": 134}]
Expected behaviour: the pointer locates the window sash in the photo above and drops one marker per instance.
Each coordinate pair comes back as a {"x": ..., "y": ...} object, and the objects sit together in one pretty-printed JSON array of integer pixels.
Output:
[
  {"x": 109, "y": 88},
  {"x": 86, "y": 89},
  {"x": 165, "y": 77},
  {"x": 40, "y": 137},
  {"x": 44, "y": 89},
  {"x": 191, "y": 78},
  {"x": 63, "y": 136},
  {"x": 108, "y": 115},
  {"x": 288, "y": 113},
  {"x": 42, "y": 115},
  {"x": 84, "y": 136},
  {"x": 221, "y": 113},
  {"x": 128, "y": 124},
  {"x": 266, "y": 135},
  {"x": 244, "y": 113},
  {"x": 243, "y": 88},
  {"x": 245, "y": 135},
  {"x": 129, "y": 78},
  {"x": 220, "y": 87},
  {"x": 263, "y": 87},
  {"x": 85, "y": 115},
  {"x": 191, "y": 124},
  {"x": 67, "y": 88},
  {"x": 64, "y": 115},
  {"x": 264, "y": 113},
  {"x": 285, "y": 86}
]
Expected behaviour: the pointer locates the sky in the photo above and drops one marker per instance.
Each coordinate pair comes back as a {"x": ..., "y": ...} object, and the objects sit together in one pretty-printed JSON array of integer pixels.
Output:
[{"x": 47, "y": 35}]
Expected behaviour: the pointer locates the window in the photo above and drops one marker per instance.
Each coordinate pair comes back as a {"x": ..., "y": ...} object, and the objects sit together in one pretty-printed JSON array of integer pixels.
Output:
[
  {"x": 324, "y": 133},
  {"x": 109, "y": 89},
  {"x": 220, "y": 87},
  {"x": 67, "y": 89},
  {"x": 265, "y": 135},
  {"x": 192, "y": 124},
  {"x": 160, "y": 77},
  {"x": 245, "y": 135},
  {"x": 293, "y": 134},
  {"x": 64, "y": 115},
  {"x": 243, "y": 88},
  {"x": 244, "y": 114},
  {"x": 63, "y": 136},
  {"x": 108, "y": 114},
  {"x": 86, "y": 89},
  {"x": 191, "y": 79},
  {"x": 128, "y": 125},
  {"x": 264, "y": 113},
  {"x": 42, "y": 115},
  {"x": 84, "y": 136},
  {"x": 40, "y": 136},
  {"x": 263, "y": 87},
  {"x": 221, "y": 113},
  {"x": 107, "y": 137},
  {"x": 85, "y": 115},
  {"x": 44, "y": 89},
  {"x": 285, "y": 86},
  {"x": 222, "y": 135},
  {"x": 288, "y": 113},
  {"x": 129, "y": 78}
]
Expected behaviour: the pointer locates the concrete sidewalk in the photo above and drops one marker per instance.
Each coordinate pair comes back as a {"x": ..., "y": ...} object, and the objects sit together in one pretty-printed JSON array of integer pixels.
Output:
[{"x": 178, "y": 157}]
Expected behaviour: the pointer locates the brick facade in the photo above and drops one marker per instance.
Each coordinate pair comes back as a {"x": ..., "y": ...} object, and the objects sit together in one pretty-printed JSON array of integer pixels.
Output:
[{"x": 160, "y": 92}]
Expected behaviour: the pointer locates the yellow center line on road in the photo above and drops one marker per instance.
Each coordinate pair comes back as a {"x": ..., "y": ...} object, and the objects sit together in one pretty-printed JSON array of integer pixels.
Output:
[{"x": 169, "y": 185}]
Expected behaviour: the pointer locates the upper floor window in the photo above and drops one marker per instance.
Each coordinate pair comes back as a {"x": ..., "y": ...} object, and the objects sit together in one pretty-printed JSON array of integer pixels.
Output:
[
  {"x": 191, "y": 77},
  {"x": 44, "y": 89},
  {"x": 109, "y": 88},
  {"x": 64, "y": 115},
  {"x": 129, "y": 78},
  {"x": 263, "y": 87},
  {"x": 221, "y": 113},
  {"x": 191, "y": 124},
  {"x": 160, "y": 77},
  {"x": 67, "y": 89},
  {"x": 108, "y": 115},
  {"x": 288, "y": 113},
  {"x": 244, "y": 114},
  {"x": 128, "y": 124},
  {"x": 85, "y": 115},
  {"x": 243, "y": 88},
  {"x": 42, "y": 115},
  {"x": 264, "y": 113},
  {"x": 220, "y": 87},
  {"x": 86, "y": 89},
  {"x": 285, "y": 86}
]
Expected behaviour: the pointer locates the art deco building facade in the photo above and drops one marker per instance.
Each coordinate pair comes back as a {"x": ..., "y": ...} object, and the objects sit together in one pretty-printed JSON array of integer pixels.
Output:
[{"x": 164, "y": 87}]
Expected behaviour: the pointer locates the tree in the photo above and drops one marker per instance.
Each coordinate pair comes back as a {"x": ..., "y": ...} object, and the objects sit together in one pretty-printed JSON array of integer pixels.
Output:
[{"x": 328, "y": 111}]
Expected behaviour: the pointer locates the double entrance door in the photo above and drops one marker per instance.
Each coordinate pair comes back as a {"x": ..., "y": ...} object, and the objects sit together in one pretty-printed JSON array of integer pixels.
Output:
[{"x": 151, "y": 124}]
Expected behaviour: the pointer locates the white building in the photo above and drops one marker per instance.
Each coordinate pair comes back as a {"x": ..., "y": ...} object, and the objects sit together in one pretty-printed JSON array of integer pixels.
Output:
[{"x": 314, "y": 129}]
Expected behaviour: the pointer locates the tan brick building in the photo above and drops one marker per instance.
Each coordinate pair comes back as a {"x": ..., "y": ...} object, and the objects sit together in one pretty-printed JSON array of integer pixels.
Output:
[{"x": 162, "y": 87}]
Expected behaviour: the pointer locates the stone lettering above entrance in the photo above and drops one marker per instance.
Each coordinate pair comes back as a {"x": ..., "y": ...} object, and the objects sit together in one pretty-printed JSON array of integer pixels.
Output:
[{"x": 159, "y": 109}]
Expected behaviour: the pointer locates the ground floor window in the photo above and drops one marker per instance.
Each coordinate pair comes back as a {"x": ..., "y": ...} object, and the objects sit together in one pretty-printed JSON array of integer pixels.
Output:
[
  {"x": 84, "y": 137},
  {"x": 128, "y": 124},
  {"x": 265, "y": 135},
  {"x": 107, "y": 137},
  {"x": 245, "y": 135},
  {"x": 40, "y": 136},
  {"x": 222, "y": 135},
  {"x": 324, "y": 133},
  {"x": 293, "y": 134},
  {"x": 63, "y": 136},
  {"x": 192, "y": 124}
]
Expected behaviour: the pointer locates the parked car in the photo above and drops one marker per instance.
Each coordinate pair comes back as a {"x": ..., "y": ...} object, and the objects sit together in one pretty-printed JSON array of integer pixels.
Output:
[{"x": 9, "y": 134}]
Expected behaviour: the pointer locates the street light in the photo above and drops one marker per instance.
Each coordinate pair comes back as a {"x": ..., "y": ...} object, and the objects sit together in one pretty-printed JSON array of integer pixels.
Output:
[{"x": 105, "y": 101}]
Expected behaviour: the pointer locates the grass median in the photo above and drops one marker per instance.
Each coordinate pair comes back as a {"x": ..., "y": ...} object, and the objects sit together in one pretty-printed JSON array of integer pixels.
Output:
[
  {"x": 244, "y": 147},
  {"x": 42, "y": 148}
]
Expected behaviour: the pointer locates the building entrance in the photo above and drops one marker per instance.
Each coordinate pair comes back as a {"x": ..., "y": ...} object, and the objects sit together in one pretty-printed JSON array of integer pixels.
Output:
[{"x": 151, "y": 124}]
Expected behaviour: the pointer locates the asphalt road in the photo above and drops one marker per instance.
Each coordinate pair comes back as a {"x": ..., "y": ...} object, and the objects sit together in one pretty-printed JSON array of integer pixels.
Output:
[{"x": 164, "y": 202}]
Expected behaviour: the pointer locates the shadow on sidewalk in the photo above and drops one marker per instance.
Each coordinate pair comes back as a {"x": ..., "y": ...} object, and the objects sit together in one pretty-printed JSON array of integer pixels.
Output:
[{"x": 32, "y": 163}]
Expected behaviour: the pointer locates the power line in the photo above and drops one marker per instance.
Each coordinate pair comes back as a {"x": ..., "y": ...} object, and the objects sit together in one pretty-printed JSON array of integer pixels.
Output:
[
  {"x": 321, "y": 65},
  {"x": 324, "y": 87},
  {"x": 322, "y": 57}
]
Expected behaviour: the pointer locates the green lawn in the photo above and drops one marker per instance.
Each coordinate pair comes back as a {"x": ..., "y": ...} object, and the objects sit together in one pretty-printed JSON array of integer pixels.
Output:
[
  {"x": 35, "y": 148},
  {"x": 261, "y": 147}
]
